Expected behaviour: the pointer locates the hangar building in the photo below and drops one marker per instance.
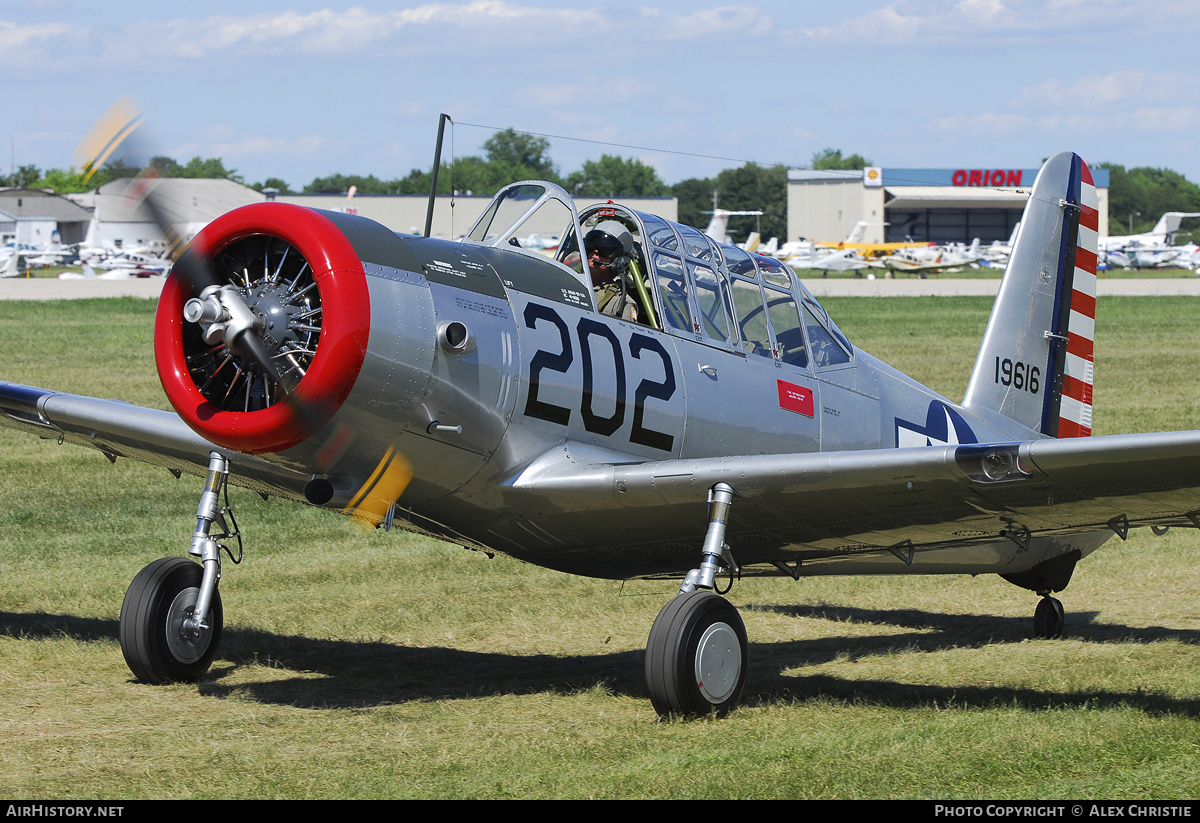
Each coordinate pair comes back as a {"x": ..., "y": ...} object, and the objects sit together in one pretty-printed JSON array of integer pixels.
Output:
[
  {"x": 934, "y": 205},
  {"x": 189, "y": 203},
  {"x": 33, "y": 216}
]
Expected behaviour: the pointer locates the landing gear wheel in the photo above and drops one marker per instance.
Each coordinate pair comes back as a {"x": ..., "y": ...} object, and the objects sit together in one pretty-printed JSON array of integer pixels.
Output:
[
  {"x": 696, "y": 656},
  {"x": 1049, "y": 618},
  {"x": 153, "y": 640}
]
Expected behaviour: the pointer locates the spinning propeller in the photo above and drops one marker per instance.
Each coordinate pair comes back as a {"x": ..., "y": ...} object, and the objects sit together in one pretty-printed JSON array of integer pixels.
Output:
[{"x": 258, "y": 347}]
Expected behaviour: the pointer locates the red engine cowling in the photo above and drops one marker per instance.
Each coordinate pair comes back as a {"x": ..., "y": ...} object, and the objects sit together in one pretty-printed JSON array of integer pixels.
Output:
[{"x": 300, "y": 276}]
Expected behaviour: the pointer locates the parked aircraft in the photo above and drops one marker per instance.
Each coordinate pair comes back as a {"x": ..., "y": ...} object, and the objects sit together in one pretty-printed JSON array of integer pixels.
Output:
[
  {"x": 15, "y": 258},
  {"x": 1163, "y": 234},
  {"x": 471, "y": 391},
  {"x": 845, "y": 260},
  {"x": 1148, "y": 257},
  {"x": 868, "y": 251},
  {"x": 932, "y": 259}
]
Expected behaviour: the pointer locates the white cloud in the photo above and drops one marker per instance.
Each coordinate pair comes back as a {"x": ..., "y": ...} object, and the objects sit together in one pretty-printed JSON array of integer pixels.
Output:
[
  {"x": 254, "y": 146},
  {"x": 350, "y": 31},
  {"x": 28, "y": 46},
  {"x": 987, "y": 23},
  {"x": 1120, "y": 88},
  {"x": 722, "y": 22},
  {"x": 453, "y": 29}
]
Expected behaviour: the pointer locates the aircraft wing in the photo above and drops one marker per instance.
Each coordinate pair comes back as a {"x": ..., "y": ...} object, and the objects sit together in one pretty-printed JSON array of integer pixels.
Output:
[
  {"x": 843, "y": 504},
  {"x": 120, "y": 429},
  {"x": 808, "y": 507}
]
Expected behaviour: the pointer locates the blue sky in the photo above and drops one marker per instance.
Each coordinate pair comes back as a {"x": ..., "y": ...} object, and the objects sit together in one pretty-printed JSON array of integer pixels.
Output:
[{"x": 298, "y": 89}]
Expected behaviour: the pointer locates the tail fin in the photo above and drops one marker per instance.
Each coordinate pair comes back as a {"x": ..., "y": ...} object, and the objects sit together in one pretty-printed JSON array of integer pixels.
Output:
[
  {"x": 1168, "y": 225},
  {"x": 718, "y": 226},
  {"x": 1035, "y": 364}
]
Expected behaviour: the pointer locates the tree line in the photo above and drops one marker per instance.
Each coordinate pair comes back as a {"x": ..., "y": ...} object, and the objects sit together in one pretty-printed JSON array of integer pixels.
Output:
[{"x": 1137, "y": 196}]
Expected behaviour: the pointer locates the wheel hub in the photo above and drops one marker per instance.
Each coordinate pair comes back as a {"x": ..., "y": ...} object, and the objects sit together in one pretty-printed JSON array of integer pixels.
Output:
[
  {"x": 187, "y": 646},
  {"x": 718, "y": 662}
]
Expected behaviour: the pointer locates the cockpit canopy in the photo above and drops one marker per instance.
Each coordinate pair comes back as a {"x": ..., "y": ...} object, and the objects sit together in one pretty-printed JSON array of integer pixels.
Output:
[{"x": 689, "y": 284}]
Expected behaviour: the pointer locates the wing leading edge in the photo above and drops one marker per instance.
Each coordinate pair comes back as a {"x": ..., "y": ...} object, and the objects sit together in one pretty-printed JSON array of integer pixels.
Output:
[{"x": 120, "y": 429}]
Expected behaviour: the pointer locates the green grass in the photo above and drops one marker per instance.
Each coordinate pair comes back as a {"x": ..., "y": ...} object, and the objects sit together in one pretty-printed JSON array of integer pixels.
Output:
[{"x": 385, "y": 665}]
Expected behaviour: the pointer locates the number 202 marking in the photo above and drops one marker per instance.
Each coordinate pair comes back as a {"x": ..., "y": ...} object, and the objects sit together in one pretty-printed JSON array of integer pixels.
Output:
[
  {"x": 561, "y": 361},
  {"x": 1017, "y": 374}
]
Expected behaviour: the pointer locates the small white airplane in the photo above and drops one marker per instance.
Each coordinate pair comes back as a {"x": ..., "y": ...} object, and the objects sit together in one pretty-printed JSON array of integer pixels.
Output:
[
  {"x": 845, "y": 260},
  {"x": 1162, "y": 235},
  {"x": 1152, "y": 257},
  {"x": 924, "y": 260},
  {"x": 41, "y": 256}
]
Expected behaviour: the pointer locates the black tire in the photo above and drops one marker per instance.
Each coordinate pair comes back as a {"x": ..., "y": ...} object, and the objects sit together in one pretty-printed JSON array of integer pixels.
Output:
[
  {"x": 157, "y": 601},
  {"x": 685, "y": 677},
  {"x": 1049, "y": 618}
]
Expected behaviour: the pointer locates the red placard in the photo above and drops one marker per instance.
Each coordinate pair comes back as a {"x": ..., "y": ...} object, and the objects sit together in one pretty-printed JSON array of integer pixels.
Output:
[{"x": 795, "y": 398}]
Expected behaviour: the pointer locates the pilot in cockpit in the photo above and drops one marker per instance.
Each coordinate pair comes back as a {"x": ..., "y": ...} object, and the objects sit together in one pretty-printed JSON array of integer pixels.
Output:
[{"x": 609, "y": 247}]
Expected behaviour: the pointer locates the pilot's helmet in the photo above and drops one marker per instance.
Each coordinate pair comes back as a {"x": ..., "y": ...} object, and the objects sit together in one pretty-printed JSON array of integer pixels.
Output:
[{"x": 611, "y": 238}]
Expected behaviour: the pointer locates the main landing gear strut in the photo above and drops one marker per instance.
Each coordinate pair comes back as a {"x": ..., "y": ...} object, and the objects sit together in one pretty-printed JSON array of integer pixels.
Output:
[
  {"x": 696, "y": 653},
  {"x": 171, "y": 617}
]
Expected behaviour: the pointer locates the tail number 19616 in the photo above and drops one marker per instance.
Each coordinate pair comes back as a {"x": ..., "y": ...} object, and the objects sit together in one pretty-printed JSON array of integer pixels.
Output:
[{"x": 1018, "y": 375}]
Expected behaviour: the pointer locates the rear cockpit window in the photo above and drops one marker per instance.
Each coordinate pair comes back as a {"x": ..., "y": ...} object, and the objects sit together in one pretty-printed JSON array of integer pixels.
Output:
[
  {"x": 818, "y": 311},
  {"x": 785, "y": 321},
  {"x": 826, "y": 350},
  {"x": 752, "y": 320},
  {"x": 773, "y": 271}
]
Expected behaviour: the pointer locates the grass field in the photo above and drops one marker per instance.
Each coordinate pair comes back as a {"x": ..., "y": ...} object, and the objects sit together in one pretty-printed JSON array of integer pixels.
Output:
[{"x": 383, "y": 665}]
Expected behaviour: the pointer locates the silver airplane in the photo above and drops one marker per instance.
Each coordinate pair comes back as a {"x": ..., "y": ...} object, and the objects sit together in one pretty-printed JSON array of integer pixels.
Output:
[{"x": 472, "y": 391}]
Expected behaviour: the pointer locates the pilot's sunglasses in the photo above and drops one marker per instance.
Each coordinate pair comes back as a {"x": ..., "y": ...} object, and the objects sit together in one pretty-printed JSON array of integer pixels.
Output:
[{"x": 608, "y": 249}]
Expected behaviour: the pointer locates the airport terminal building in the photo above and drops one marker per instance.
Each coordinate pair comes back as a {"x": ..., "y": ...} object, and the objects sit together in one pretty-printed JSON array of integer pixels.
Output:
[{"x": 933, "y": 205}]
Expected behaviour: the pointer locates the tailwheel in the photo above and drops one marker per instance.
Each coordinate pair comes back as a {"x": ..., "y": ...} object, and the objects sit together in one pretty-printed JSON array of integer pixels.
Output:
[
  {"x": 156, "y": 639},
  {"x": 1049, "y": 618},
  {"x": 696, "y": 656}
]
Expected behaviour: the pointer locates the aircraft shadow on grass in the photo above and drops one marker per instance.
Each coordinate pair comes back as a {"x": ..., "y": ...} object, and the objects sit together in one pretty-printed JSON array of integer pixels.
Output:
[{"x": 341, "y": 673}]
